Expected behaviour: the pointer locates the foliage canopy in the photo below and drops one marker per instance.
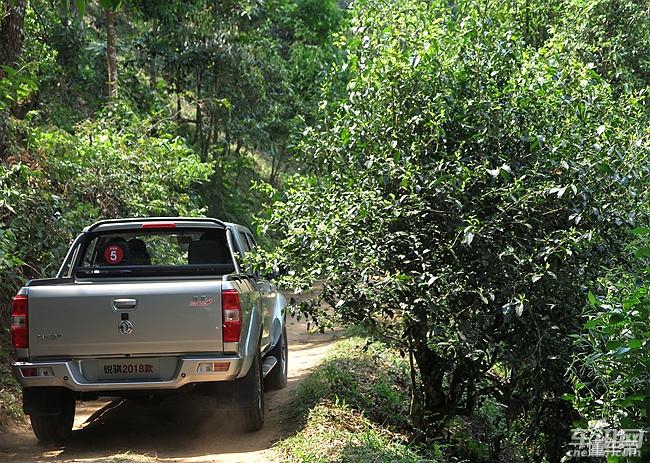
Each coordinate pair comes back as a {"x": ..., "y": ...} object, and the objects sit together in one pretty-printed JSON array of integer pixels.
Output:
[{"x": 465, "y": 187}]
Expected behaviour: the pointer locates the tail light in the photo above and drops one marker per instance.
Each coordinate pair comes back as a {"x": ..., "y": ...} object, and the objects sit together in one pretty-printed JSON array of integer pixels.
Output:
[
  {"x": 19, "y": 333},
  {"x": 231, "y": 315}
]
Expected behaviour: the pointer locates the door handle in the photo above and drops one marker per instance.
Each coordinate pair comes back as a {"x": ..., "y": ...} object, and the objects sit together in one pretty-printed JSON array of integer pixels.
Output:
[{"x": 124, "y": 304}]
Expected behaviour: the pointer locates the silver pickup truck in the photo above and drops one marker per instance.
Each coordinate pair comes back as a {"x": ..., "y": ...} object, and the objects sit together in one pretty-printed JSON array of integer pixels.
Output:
[{"x": 141, "y": 308}]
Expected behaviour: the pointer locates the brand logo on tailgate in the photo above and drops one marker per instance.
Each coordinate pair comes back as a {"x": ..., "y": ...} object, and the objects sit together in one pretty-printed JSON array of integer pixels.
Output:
[
  {"x": 125, "y": 327},
  {"x": 200, "y": 301}
]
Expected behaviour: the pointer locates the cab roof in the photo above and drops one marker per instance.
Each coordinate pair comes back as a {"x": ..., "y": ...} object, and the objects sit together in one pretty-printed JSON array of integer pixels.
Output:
[{"x": 157, "y": 223}]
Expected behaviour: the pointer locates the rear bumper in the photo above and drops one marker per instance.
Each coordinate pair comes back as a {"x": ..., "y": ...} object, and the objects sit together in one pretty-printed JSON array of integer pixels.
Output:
[{"x": 68, "y": 374}]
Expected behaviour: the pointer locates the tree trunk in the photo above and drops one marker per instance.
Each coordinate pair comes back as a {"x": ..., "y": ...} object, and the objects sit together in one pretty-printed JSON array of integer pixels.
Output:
[
  {"x": 431, "y": 406},
  {"x": 11, "y": 42},
  {"x": 275, "y": 165},
  {"x": 198, "y": 136},
  {"x": 11, "y": 33},
  {"x": 179, "y": 107},
  {"x": 111, "y": 54}
]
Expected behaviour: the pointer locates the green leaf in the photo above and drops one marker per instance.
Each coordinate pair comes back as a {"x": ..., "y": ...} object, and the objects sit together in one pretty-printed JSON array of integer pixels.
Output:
[
  {"x": 591, "y": 298},
  {"x": 641, "y": 231},
  {"x": 345, "y": 135},
  {"x": 81, "y": 6},
  {"x": 643, "y": 252},
  {"x": 616, "y": 318},
  {"x": 613, "y": 345},
  {"x": 113, "y": 5},
  {"x": 634, "y": 343}
]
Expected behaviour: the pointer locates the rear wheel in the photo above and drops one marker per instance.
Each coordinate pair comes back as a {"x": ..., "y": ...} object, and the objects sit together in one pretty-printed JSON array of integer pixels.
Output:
[
  {"x": 253, "y": 416},
  {"x": 277, "y": 377},
  {"x": 54, "y": 427}
]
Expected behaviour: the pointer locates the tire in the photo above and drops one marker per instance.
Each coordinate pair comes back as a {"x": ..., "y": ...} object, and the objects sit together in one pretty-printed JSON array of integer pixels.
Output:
[
  {"x": 252, "y": 418},
  {"x": 54, "y": 428},
  {"x": 277, "y": 377}
]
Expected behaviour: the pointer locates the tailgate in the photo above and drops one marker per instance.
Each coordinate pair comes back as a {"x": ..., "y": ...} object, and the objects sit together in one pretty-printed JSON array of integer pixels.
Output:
[{"x": 102, "y": 318}]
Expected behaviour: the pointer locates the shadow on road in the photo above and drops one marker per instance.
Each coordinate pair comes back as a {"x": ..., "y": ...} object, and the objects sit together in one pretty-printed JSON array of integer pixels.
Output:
[{"x": 183, "y": 426}]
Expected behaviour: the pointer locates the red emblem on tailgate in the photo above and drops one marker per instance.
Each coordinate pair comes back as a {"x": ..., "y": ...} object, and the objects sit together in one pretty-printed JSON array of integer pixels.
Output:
[{"x": 200, "y": 301}]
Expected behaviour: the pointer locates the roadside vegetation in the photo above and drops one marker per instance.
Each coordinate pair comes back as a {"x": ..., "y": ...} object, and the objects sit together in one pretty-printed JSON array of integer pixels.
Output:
[
  {"x": 477, "y": 195},
  {"x": 469, "y": 179},
  {"x": 355, "y": 407},
  {"x": 352, "y": 408}
]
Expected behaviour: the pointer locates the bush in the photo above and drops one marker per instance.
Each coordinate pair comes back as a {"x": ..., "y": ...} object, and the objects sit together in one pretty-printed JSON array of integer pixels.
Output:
[
  {"x": 119, "y": 165},
  {"x": 464, "y": 190},
  {"x": 612, "y": 377}
]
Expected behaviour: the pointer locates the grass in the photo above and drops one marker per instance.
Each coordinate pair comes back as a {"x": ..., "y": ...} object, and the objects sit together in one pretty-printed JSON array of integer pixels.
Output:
[
  {"x": 353, "y": 408},
  {"x": 335, "y": 432},
  {"x": 127, "y": 457}
]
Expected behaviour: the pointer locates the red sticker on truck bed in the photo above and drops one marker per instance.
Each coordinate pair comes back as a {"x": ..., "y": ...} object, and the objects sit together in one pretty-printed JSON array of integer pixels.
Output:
[
  {"x": 200, "y": 301},
  {"x": 113, "y": 254}
]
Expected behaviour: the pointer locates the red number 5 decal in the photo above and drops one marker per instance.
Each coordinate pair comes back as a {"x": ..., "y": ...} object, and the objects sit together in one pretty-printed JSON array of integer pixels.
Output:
[{"x": 113, "y": 254}]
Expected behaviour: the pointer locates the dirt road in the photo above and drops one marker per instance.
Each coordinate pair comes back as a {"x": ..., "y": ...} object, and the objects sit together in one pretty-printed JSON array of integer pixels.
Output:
[{"x": 179, "y": 431}]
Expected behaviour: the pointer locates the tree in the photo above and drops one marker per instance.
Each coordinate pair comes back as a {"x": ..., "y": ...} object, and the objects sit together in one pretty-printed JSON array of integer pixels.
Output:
[
  {"x": 110, "y": 9},
  {"x": 11, "y": 32},
  {"x": 611, "y": 376},
  {"x": 111, "y": 54},
  {"x": 11, "y": 39},
  {"x": 456, "y": 204}
]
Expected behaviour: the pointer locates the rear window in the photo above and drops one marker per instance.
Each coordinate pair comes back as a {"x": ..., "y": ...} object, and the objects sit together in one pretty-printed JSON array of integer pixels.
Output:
[{"x": 156, "y": 252}]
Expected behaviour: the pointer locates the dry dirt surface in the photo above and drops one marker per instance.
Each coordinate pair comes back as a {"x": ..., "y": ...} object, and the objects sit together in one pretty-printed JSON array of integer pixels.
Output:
[{"x": 182, "y": 429}]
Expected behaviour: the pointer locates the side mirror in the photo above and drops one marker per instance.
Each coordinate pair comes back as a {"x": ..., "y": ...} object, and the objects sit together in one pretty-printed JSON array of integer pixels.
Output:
[{"x": 281, "y": 271}]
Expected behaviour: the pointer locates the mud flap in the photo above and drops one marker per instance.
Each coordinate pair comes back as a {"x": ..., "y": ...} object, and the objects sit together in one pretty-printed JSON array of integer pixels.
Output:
[
  {"x": 46, "y": 400},
  {"x": 235, "y": 395}
]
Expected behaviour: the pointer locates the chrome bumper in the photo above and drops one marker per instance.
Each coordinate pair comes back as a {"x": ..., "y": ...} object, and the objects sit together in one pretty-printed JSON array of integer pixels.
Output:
[{"x": 68, "y": 373}]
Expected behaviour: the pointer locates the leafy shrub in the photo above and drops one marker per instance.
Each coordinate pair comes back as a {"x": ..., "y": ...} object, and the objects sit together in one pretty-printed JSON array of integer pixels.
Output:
[
  {"x": 116, "y": 166},
  {"x": 15, "y": 85},
  {"x": 612, "y": 376},
  {"x": 464, "y": 190}
]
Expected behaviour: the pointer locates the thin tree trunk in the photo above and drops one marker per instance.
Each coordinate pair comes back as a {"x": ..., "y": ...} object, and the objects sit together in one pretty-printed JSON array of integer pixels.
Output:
[
  {"x": 209, "y": 137},
  {"x": 178, "y": 102},
  {"x": 11, "y": 42},
  {"x": 111, "y": 54},
  {"x": 213, "y": 134},
  {"x": 198, "y": 137},
  {"x": 275, "y": 162},
  {"x": 527, "y": 23},
  {"x": 11, "y": 33}
]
